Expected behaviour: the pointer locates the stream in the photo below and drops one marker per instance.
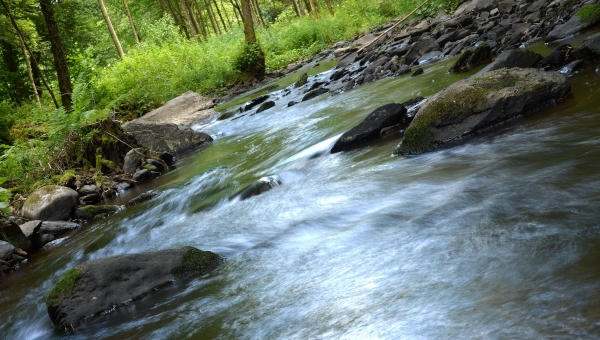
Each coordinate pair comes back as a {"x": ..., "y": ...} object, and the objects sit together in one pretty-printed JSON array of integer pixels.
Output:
[{"x": 495, "y": 238}]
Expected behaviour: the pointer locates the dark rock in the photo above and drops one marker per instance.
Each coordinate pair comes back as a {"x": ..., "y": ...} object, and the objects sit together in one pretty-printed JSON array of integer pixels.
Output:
[
  {"x": 89, "y": 212},
  {"x": 262, "y": 185},
  {"x": 256, "y": 101},
  {"x": 337, "y": 75},
  {"x": 593, "y": 43},
  {"x": 585, "y": 17},
  {"x": 122, "y": 186},
  {"x": 418, "y": 72},
  {"x": 382, "y": 117},
  {"x": 398, "y": 51},
  {"x": 429, "y": 57},
  {"x": 91, "y": 198},
  {"x": 148, "y": 195},
  {"x": 315, "y": 85},
  {"x": 533, "y": 17},
  {"x": 30, "y": 228},
  {"x": 57, "y": 227},
  {"x": 292, "y": 103},
  {"x": 380, "y": 62},
  {"x": 403, "y": 69},
  {"x": 12, "y": 233},
  {"x": 142, "y": 175},
  {"x": 50, "y": 203},
  {"x": 475, "y": 104},
  {"x": 442, "y": 40},
  {"x": 162, "y": 167},
  {"x": 519, "y": 28},
  {"x": 302, "y": 80},
  {"x": 470, "y": 59},
  {"x": 88, "y": 190},
  {"x": 580, "y": 53},
  {"x": 537, "y": 6},
  {"x": 6, "y": 250},
  {"x": 420, "y": 48},
  {"x": 485, "y": 5},
  {"x": 167, "y": 158},
  {"x": 463, "y": 33},
  {"x": 518, "y": 58},
  {"x": 347, "y": 60},
  {"x": 570, "y": 67},
  {"x": 133, "y": 160},
  {"x": 161, "y": 137},
  {"x": 314, "y": 93},
  {"x": 100, "y": 286}
]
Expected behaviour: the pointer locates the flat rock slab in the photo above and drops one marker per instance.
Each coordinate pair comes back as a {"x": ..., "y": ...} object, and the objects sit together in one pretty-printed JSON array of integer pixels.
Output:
[
  {"x": 186, "y": 110},
  {"x": 100, "y": 286},
  {"x": 475, "y": 104},
  {"x": 165, "y": 137}
]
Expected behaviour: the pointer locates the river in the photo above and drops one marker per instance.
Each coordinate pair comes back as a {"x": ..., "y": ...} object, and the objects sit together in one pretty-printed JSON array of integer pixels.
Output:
[{"x": 495, "y": 238}]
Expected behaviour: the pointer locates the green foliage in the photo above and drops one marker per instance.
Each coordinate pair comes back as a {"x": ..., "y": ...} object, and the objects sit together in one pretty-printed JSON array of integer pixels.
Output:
[
  {"x": 247, "y": 58},
  {"x": 4, "y": 198},
  {"x": 64, "y": 286},
  {"x": 589, "y": 13},
  {"x": 6, "y": 122}
]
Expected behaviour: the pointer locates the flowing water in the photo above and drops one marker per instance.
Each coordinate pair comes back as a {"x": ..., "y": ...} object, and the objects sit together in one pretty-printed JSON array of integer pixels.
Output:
[{"x": 496, "y": 238}]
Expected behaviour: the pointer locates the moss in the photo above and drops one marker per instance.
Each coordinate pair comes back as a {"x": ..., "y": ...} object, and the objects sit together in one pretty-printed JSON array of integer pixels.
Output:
[
  {"x": 450, "y": 106},
  {"x": 150, "y": 167},
  {"x": 302, "y": 80},
  {"x": 64, "y": 286},
  {"x": 103, "y": 165},
  {"x": 589, "y": 13},
  {"x": 68, "y": 178},
  {"x": 100, "y": 209},
  {"x": 461, "y": 62},
  {"x": 195, "y": 261}
]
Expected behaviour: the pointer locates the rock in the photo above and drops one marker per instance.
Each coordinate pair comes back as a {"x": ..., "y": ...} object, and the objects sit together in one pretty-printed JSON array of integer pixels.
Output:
[
  {"x": 474, "y": 104},
  {"x": 421, "y": 47},
  {"x": 570, "y": 67},
  {"x": 470, "y": 59},
  {"x": 6, "y": 251},
  {"x": 12, "y": 233},
  {"x": 398, "y": 51},
  {"x": 314, "y": 93},
  {"x": 443, "y": 39},
  {"x": 485, "y": 5},
  {"x": 557, "y": 57},
  {"x": 418, "y": 72},
  {"x": 593, "y": 43},
  {"x": 429, "y": 57},
  {"x": 88, "y": 189},
  {"x": 537, "y": 6},
  {"x": 100, "y": 286},
  {"x": 142, "y": 175},
  {"x": 403, "y": 69},
  {"x": 382, "y": 117},
  {"x": 30, "y": 228},
  {"x": 347, "y": 60},
  {"x": 133, "y": 159},
  {"x": 188, "y": 109},
  {"x": 254, "y": 102},
  {"x": 585, "y": 17},
  {"x": 159, "y": 165},
  {"x": 57, "y": 227},
  {"x": 165, "y": 137},
  {"x": 262, "y": 185},
  {"x": 512, "y": 58},
  {"x": 265, "y": 106},
  {"x": 148, "y": 195},
  {"x": 167, "y": 158},
  {"x": 90, "y": 212},
  {"x": 302, "y": 80},
  {"x": 50, "y": 203}
]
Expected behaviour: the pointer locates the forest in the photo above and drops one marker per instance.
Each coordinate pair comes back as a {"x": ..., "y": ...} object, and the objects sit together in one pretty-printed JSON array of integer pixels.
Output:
[{"x": 69, "y": 63}]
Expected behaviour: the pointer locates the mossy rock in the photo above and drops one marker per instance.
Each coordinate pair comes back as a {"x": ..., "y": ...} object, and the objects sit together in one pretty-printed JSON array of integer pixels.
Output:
[
  {"x": 150, "y": 167},
  {"x": 473, "y": 105},
  {"x": 90, "y": 212},
  {"x": 63, "y": 288},
  {"x": 196, "y": 261},
  {"x": 302, "y": 80},
  {"x": 589, "y": 13}
]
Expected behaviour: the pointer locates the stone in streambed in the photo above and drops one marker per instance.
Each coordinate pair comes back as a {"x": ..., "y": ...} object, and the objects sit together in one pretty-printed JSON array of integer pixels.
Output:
[
  {"x": 12, "y": 233},
  {"x": 472, "y": 58},
  {"x": 382, "y": 117},
  {"x": 50, "y": 203},
  {"x": 100, "y": 286},
  {"x": 472, "y": 105},
  {"x": 165, "y": 137},
  {"x": 512, "y": 59},
  {"x": 133, "y": 159},
  {"x": 585, "y": 17},
  {"x": 265, "y": 106},
  {"x": 90, "y": 212}
]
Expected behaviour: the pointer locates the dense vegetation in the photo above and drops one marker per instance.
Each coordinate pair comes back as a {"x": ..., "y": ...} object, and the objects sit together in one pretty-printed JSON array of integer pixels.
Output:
[{"x": 172, "y": 46}]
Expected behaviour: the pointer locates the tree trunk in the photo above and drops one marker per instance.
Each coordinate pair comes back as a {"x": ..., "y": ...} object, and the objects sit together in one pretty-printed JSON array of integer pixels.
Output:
[
  {"x": 236, "y": 11},
  {"x": 111, "y": 30},
  {"x": 10, "y": 59},
  {"x": 178, "y": 18},
  {"x": 60, "y": 61},
  {"x": 328, "y": 3},
  {"x": 202, "y": 22},
  {"x": 220, "y": 16},
  {"x": 258, "y": 13},
  {"x": 29, "y": 71},
  {"x": 227, "y": 15},
  {"x": 296, "y": 8},
  {"x": 211, "y": 15},
  {"x": 135, "y": 35},
  {"x": 190, "y": 19},
  {"x": 307, "y": 6},
  {"x": 248, "y": 24},
  {"x": 314, "y": 9}
]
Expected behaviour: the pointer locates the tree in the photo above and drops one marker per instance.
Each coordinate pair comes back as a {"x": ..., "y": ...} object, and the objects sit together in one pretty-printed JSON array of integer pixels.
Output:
[
  {"x": 111, "y": 30},
  {"x": 135, "y": 35},
  {"x": 252, "y": 60},
  {"x": 60, "y": 61}
]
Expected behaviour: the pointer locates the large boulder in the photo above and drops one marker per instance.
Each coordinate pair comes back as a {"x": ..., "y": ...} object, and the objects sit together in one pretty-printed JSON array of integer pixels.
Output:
[
  {"x": 50, "y": 203},
  {"x": 165, "y": 137},
  {"x": 593, "y": 43},
  {"x": 474, "y": 104},
  {"x": 100, "y": 286},
  {"x": 12, "y": 233},
  {"x": 186, "y": 110},
  {"x": 585, "y": 17},
  {"x": 512, "y": 58},
  {"x": 382, "y": 117}
]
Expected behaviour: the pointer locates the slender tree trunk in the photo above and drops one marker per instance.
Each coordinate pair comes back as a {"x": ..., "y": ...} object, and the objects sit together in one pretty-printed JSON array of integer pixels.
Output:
[
  {"x": 307, "y": 6},
  {"x": 248, "y": 23},
  {"x": 36, "y": 66},
  {"x": 328, "y": 3},
  {"x": 226, "y": 15},
  {"x": 190, "y": 19},
  {"x": 29, "y": 71},
  {"x": 201, "y": 17},
  {"x": 296, "y": 8},
  {"x": 211, "y": 15},
  {"x": 257, "y": 12},
  {"x": 178, "y": 18},
  {"x": 237, "y": 11},
  {"x": 60, "y": 61},
  {"x": 10, "y": 59},
  {"x": 135, "y": 35},
  {"x": 220, "y": 16},
  {"x": 314, "y": 9},
  {"x": 111, "y": 30}
]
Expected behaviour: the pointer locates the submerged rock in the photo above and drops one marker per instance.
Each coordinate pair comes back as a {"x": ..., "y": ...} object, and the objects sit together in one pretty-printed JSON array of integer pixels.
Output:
[
  {"x": 382, "y": 117},
  {"x": 262, "y": 185},
  {"x": 100, "y": 286},
  {"x": 50, "y": 203},
  {"x": 265, "y": 106},
  {"x": 472, "y": 105}
]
